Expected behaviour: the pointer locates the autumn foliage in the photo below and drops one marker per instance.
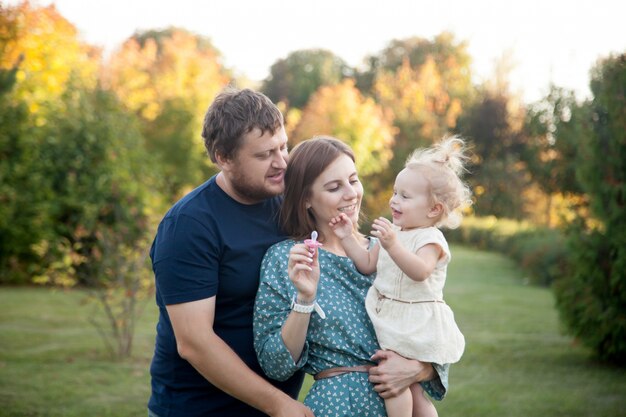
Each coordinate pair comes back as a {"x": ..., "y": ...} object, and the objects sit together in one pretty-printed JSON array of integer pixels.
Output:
[{"x": 93, "y": 149}]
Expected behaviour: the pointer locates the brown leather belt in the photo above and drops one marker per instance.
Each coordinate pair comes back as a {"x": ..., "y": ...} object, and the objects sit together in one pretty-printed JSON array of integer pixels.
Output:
[
  {"x": 384, "y": 297},
  {"x": 331, "y": 372}
]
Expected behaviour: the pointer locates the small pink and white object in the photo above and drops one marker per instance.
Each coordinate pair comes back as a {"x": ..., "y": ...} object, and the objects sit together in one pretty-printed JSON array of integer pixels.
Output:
[{"x": 313, "y": 243}]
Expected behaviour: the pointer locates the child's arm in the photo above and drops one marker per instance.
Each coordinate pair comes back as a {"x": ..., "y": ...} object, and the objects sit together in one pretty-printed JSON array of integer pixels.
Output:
[
  {"x": 365, "y": 260},
  {"x": 419, "y": 265}
]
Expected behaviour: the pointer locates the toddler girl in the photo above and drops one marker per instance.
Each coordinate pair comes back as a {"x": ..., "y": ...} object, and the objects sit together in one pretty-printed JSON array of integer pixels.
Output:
[{"x": 405, "y": 302}]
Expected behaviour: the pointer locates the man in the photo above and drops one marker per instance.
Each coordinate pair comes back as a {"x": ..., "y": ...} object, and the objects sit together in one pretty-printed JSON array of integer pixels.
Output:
[{"x": 206, "y": 258}]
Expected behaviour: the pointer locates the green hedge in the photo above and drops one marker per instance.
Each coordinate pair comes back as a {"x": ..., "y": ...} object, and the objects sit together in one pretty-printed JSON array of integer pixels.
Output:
[{"x": 539, "y": 251}]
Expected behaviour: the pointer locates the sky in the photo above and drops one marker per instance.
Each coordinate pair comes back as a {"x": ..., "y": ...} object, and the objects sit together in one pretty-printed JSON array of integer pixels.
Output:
[{"x": 547, "y": 41}]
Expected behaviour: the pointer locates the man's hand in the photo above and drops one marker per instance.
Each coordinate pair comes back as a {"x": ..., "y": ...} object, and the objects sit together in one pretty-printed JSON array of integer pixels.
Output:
[
  {"x": 394, "y": 373},
  {"x": 292, "y": 408}
]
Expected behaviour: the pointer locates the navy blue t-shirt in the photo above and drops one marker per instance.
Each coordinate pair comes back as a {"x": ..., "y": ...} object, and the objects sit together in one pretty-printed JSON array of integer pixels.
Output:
[{"x": 209, "y": 245}]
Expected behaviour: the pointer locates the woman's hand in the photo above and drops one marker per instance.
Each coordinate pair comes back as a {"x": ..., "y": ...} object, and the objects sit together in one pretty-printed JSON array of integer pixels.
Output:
[
  {"x": 383, "y": 230},
  {"x": 394, "y": 373},
  {"x": 304, "y": 271}
]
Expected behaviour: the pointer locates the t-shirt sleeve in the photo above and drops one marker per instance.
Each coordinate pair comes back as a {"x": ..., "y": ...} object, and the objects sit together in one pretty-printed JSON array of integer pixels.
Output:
[
  {"x": 271, "y": 308},
  {"x": 185, "y": 260}
]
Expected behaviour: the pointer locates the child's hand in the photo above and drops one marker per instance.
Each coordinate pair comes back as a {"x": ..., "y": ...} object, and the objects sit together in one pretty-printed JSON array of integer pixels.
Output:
[
  {"x": 341, "y": 225},
  {"x": 383, "y": 230}
]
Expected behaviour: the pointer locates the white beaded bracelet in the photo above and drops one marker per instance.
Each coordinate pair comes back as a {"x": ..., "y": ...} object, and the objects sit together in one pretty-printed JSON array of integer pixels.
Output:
[{"x": 307, "y": 308}]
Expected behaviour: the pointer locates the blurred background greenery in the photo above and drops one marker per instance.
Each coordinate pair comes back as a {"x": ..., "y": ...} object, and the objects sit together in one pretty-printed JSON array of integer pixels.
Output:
[{"x": 94, "y": 149}]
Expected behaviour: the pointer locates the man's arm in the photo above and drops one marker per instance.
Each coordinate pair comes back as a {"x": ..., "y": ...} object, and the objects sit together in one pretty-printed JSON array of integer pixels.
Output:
[
  {"x": 219, "y": 364},
  {"x": 394, "y": 374}
]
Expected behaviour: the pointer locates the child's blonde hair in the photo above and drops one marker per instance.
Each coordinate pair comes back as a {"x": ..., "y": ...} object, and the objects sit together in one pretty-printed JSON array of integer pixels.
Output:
[{"x": 443, "y": 164}]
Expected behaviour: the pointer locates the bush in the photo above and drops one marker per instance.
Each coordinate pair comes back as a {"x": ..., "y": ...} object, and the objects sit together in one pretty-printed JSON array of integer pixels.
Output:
[
  {"x": 592, "y": 299},
  {"x": 23, "y": 202},
  {"x": 540, "y": 252}
]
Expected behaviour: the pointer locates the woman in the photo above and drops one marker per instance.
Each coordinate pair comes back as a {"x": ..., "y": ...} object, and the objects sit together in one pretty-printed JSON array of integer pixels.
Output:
[{"x": 309, "y": 311}]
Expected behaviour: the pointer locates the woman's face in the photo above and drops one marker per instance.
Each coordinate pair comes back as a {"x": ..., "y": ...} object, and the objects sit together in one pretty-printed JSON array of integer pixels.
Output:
[{"x": 336, "y": 190}]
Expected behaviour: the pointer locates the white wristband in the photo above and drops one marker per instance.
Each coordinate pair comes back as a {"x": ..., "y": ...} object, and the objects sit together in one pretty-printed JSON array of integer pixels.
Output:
[{"x": 307, "y": 308}]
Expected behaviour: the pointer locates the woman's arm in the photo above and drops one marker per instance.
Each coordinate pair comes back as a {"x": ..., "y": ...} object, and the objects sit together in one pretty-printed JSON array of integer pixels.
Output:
[
  {"x": 271, "y": 310},
  {"x": 280, "y": 333},
  {"x": 304, "y": 272}
]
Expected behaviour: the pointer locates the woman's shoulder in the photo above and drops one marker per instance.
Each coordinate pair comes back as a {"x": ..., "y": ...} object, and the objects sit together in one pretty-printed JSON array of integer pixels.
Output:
[
  {"x": 280, "y": 248},
  {"x": 275, "y": 260}
]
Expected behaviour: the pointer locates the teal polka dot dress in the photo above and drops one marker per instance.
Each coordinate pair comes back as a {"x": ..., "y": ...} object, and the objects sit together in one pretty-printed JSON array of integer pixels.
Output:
[{"x": 345, "y": 338}]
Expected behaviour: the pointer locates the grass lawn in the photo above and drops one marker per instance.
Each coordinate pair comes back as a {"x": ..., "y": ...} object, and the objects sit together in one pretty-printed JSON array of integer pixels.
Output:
[{"x": 516, "y": 363}]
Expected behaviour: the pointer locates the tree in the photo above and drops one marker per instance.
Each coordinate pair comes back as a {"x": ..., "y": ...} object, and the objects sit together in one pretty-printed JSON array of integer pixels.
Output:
[
  {"x": 493, "y": 124},
  {"x": 426, "y": 84},
  {"x": 39, "y": 55},
  {"x": 99, "y": 206},
  {"x": 50, "y": 51},
  {"x": 75, "y": 200},
  {"x": 423, "y": 108},
  {"x": 294, "y": 79},
  {"x": 168, "y": 78},
  {"x": 592, "y": 296},
  {"x": 450, "y": 57},
  {"x": 341, "y": 111},
  {"x": 498, "y": 177},
  {"x": 555, "y": 127},
  {"x": 119, "y": 289},
  {"x": 91, "y": 160},
  {"x": 23, "y": 222}
]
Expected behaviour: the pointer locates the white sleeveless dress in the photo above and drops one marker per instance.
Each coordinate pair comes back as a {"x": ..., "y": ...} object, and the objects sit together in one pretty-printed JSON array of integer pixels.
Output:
[{"x": 410, "y": 317}]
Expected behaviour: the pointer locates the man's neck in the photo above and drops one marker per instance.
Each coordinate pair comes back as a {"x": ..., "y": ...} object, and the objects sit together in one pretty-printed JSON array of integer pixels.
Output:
[{"x": 227, "y": 187}]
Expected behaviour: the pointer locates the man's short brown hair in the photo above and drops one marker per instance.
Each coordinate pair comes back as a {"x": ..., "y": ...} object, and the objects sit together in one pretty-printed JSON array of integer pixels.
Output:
[{"x": 233, "y": 114}]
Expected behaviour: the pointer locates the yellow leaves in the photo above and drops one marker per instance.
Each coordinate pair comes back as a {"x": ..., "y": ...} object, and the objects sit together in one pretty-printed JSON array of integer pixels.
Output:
[
  {"x": 292, "y": 119},
  {"x": 175, "y": 65},
  {"x": 453, "y": 112},
  {"x": 129, "y": 76},
  {"x": 63, "y": 259},
  {"x": 51, "y": 53},
  {"x": 342, "y": 111},
  {"x": 418, "y": 96}
]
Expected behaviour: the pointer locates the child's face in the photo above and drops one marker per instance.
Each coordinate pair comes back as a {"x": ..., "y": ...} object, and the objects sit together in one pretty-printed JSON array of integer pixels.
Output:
[{"x": 410, "y": 203}]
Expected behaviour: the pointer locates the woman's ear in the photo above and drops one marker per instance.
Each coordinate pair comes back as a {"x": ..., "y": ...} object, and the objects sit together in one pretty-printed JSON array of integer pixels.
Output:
[{"x": 435, "y": 211}]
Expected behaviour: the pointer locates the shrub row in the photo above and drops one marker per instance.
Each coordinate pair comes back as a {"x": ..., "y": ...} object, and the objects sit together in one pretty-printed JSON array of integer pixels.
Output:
[{"x": 540, "y": 252}]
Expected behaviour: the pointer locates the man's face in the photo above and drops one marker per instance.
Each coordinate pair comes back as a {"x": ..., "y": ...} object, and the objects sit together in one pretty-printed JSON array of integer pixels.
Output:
[{"x": 257, "y": 171}]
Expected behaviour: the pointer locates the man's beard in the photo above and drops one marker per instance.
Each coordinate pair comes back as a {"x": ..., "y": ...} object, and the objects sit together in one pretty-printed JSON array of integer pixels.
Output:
[{"x": 243, "y": 188}]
